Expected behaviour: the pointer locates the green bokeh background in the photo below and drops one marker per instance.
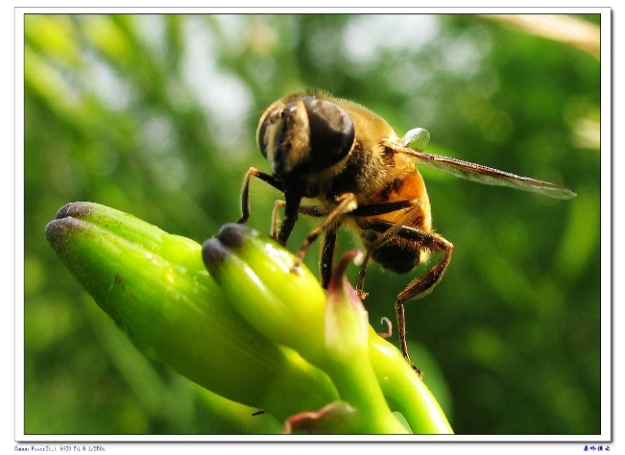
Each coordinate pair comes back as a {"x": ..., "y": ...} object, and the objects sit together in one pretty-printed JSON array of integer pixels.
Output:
[{"x": 156, "y": 116}]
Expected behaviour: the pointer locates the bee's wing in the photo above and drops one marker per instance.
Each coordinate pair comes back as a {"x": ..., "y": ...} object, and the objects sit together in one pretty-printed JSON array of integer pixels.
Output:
[{"x": 487, "y": 175}]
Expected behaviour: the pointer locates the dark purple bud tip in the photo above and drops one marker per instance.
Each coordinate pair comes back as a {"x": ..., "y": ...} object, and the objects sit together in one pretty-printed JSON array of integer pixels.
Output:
[
  {"x": 338, "y": 275},
  {"x": 60, "y": 230},
  {"x": 213, "y": 255},
  {"x": 232, "y": 235},
  {"x": 74, "y": 210}
]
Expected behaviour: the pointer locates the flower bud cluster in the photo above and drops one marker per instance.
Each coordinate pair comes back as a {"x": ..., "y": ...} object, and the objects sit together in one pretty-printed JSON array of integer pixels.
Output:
[{"x": 238, "y": 317}]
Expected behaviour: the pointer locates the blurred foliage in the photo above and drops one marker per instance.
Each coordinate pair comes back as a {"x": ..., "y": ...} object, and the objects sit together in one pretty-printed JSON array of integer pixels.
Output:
[{"x": 156, "y": 116}]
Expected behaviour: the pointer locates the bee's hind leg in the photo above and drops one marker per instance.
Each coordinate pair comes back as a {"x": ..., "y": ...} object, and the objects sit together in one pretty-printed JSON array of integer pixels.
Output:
[{"x": 423, "y": 285}]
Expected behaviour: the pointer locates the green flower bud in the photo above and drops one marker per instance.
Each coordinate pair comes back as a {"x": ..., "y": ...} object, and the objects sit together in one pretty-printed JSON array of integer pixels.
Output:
[
  {"x": 349, "y": 364},
  {"x": 347, "y": 325},
  {"x": 405, "y": 391},
  {"x": 257, "y": 276}
]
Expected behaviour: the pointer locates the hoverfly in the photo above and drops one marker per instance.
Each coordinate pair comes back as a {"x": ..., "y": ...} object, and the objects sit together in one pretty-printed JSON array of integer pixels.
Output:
[{"x": 363, "y": 176}]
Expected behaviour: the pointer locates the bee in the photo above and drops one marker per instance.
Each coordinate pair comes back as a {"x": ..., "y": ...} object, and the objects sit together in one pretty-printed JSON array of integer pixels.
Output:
[{"x": 362, "y": 175}]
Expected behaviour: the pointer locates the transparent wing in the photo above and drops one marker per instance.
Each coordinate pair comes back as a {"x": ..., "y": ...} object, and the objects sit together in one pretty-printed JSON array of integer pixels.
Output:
[{"x": 487, "y": 175}]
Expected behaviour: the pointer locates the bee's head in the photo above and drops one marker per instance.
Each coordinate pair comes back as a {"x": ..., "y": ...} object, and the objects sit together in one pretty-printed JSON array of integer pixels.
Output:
[{"x": 304, "y": 134}]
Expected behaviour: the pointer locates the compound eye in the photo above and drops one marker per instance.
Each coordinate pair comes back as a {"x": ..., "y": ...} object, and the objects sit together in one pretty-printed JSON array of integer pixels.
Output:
[
  {"x": 331, "y": 132},
  {"x": 260, "y": 138},
  {"x": 261, "y": 135}
]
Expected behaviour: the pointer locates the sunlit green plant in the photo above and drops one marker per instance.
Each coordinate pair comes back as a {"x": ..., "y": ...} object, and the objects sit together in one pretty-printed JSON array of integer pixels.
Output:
[{"x": 235, "y": 317}]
